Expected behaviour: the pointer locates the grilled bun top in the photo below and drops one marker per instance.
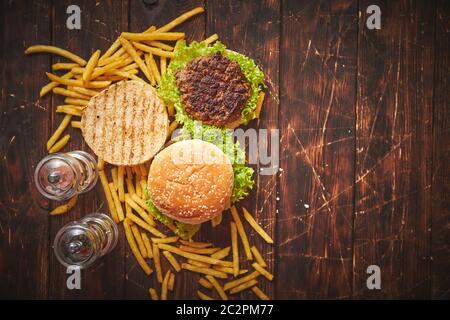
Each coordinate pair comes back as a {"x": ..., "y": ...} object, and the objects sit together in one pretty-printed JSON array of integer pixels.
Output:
[
  {"x": 191, "y": 181},
  {"x": 125, "y": 124}
]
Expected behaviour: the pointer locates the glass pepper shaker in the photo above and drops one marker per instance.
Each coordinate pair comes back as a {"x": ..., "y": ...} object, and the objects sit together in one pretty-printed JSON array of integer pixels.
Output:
[
  {"x": 81, "y": 243},
  {"x": 60, "y": 176}
]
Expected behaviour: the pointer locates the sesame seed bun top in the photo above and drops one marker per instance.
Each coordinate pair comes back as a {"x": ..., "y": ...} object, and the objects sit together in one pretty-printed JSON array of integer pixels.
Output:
[{"x": 191, "y": 181}]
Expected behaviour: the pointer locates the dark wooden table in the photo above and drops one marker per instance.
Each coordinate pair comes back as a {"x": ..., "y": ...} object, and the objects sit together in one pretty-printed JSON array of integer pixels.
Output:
[{"x": 364, "y": 119}]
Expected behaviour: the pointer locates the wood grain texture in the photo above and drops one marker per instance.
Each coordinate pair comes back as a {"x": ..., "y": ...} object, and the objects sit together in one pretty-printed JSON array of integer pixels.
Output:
[
  {"x": 317, "y": 119},
  {"x": 24, "y": 125},
  {"x": 440, "y": 187},
  {"x": 260, "y": 41},
  {"x": 364, "y": 119},
  {"x": 141, "y": 17},
  {"x": 393, "y": 162},
  {"x": 101, "y": 23}
]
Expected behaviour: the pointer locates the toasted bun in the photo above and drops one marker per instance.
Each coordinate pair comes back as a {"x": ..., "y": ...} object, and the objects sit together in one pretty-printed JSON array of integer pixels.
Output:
[
  {"x": 191, "y": 181},
  {"x": 125, "y": 124}
]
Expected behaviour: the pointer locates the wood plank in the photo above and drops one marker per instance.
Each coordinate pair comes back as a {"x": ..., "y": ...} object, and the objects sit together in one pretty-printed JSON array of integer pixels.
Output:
[
  {"x": 101, "y": 23},
  {"x": 393, "y": 177},
  {"x": 24, "y": 246},
  {"x": 255, "y": 33},
  {"x": 440, "y": 188},
  {"x": 317, "y": 120},
  {"x": 141, "y": 17}
]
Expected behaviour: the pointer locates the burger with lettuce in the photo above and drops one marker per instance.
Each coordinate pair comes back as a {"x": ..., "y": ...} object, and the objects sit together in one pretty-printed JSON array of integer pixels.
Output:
[{"x": 213, "y": 91}]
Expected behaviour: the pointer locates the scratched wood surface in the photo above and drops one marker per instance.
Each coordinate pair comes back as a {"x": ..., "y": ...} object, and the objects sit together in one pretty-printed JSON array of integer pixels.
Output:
[{"x": 364, "y": 125}]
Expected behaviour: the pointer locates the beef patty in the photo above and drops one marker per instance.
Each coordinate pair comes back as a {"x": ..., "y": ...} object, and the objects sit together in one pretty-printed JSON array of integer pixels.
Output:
[{"x": 214, "y": 89}]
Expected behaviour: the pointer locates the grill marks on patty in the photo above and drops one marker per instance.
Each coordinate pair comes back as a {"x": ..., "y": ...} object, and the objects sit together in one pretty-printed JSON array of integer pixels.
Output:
[{"x": 214, "y": 89}]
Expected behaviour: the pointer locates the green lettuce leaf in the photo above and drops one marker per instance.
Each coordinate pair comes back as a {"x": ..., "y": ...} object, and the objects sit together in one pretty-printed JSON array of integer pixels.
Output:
[{"x": 183, "y": 230}]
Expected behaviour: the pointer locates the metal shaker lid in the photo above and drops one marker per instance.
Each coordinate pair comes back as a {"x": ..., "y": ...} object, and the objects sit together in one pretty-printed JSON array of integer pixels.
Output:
[{"x": 56, "y": 176}]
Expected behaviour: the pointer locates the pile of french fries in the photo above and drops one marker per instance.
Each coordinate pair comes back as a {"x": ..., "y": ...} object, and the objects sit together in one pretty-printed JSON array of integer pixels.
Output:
[{"x": 145, "y": 57}]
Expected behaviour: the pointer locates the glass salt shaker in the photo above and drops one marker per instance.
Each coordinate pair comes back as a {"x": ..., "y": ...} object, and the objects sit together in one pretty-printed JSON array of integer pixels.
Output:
[
  {"x": 81, "y": 243},
  {"x": 60, "y": 176}
]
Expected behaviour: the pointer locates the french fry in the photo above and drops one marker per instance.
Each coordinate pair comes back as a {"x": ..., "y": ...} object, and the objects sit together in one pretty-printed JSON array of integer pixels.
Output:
[
  {"x": 69, "y": 109},
  {"x": 75, "y": 124},
  {"x": 77, "y": 102},
  {"x": 140, "y": 211},
  {"x": 167, "y": 36},
  {"x": 145, "y": 225},
  {"x": 216, "y": 220},
  {"x": 64, "y": 66},
  {"x": 127, "y": 75},
  {"x": 108, "y": 196},
  {"x": 258, "y": 257},
  {"x": 244, "y": 286},
  {"x": 259, "y": 104},
  {"x": 196, "y": 244},
  {"x": 205, "y": 283},
  {"x": 229, "y": 270},
  {"x": 153, "y": 67},
  {"x": 171, "y": 109},
  {"x": 237, "y": 282},
  {"x": 165, "y": 240},
  {"x": 180, "y": 19},
  {"x": 193, "y": 256},
  {"x": 69, "y": 93},
  {"x": 120, "y": 186},
  {"x": 130, "y": 67},
  {"x": 153, "y": 50},
  {"x": 256, "y": 226},
  {"x": 157, "y": 259},
  {"x": 143, "y": 187},
  {"x": 234, "y": 245},
  {"x": 218, "y": 287},
  {"x": 206, "y": 271},
  {"x": 198, "y": 263},
  {"x": 137, "y": 187},
  {"x": 153, "y": 294},
  {"x": 171, "y": 283},
  {"x": 58, "y": 132},
  {"x": 159, "y": 44},
  {"x": 65, "y": 207},
  {"x": 222, "y": 253},
  {"x": 203, "y": 296},
  {"x": 263, "y": 271},
  {"x": 84, "y": 91},
  {"x": 259, "y": 293},
  {"x": 208, "y": 251},
  {"x": 163, "y": 65},
  {"x": 100, "y": 164},
  {"x": 128, "y": 210},
  {"x": 60, "y": 144},
  {"x": 134, "y": 248},
  {"x": 172, "y": 260},
  {"x": 114, "y": 178},
  {"x": 58, "y": 51},
  {"x": 77, "y": 82},
  {"x": 113, "y": 48},
  {"x": 49, "y": 87},
  {"x": 148, "y": 245},
  {"x": 140, "y": 243},
  {"x": 90, "y": 66},
  {"x": 117, "y": 203},
  {"x": 141, "y": 203},
  {"x": 172, "y": 128},
  {"x": 132, "y": 52},
  {"x": 211, "y": 39},
  {"x": 242, "y": 234}
]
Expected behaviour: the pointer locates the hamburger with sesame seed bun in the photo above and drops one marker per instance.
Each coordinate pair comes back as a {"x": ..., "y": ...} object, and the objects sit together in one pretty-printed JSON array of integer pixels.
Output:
[{"x": 190, "y": 181}]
